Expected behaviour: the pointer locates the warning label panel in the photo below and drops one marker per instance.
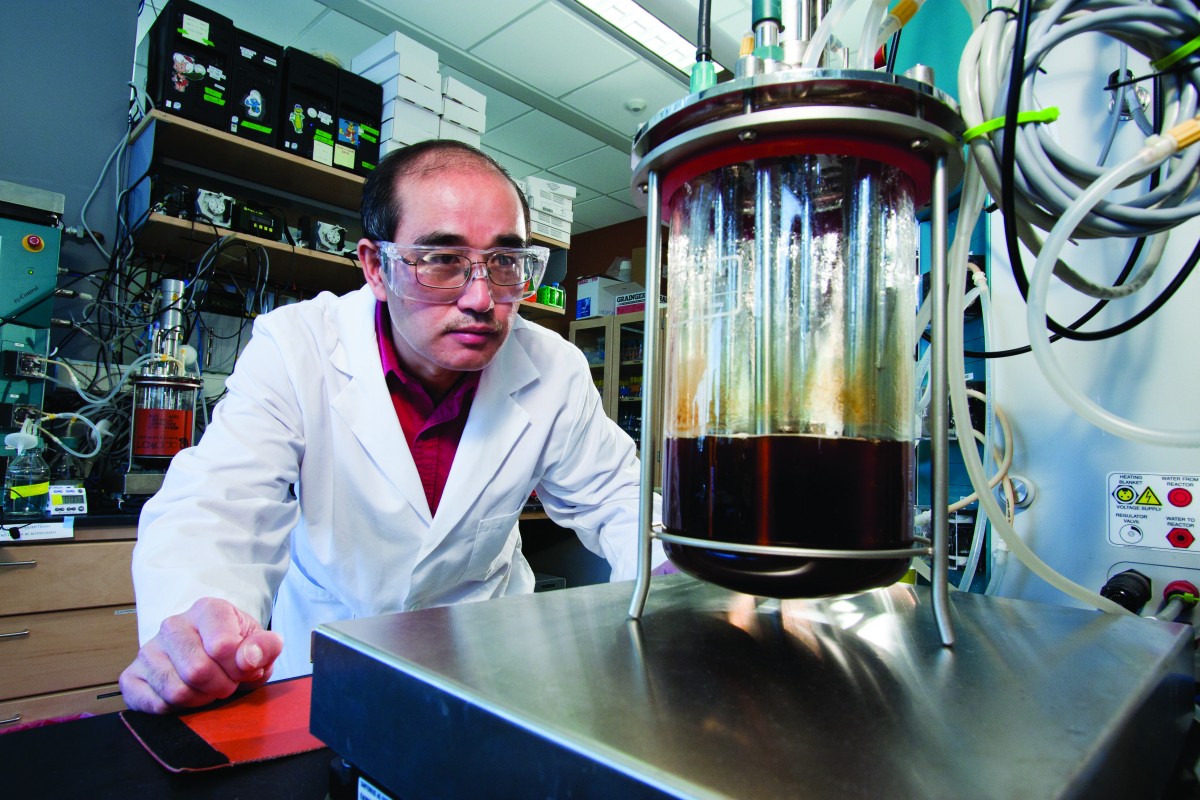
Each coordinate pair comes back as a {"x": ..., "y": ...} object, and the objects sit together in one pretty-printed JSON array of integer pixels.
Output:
[{"x": 1153, "y": 510}]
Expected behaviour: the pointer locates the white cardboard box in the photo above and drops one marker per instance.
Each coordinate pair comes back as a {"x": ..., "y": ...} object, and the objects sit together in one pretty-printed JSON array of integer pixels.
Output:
[
  {"x": 631, "y": 302},
  {"x": 455, "y": 112},
  {"x": 404, "y": 133},
  {"x": 459, "y": 92},
  {"x": 541, "y": 201},
  {"x": 594, "y": 297},
  {"x": 539, "y": 185},
  {"x": 412, "y": 114},
  {"x": 562, "y": 235},
  {"x": 409, "y": 57},
  {"x": 393, "y": 66},
  {"x": 403, "y": 137},
  {"x": 402, "y": 88},
  {"x": 448, "y": 130},
  {"x": 549, "y": 220}
]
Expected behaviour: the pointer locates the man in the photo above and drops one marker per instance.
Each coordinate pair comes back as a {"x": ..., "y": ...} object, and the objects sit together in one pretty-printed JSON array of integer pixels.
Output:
[{"x": 374, "y": 450}]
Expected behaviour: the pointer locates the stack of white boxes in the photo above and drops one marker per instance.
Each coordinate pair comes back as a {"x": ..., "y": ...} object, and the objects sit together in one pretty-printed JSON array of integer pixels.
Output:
[
  {"x": 550, "y": 208},
  {"x": 418, "y": 103},
  {"x": 463, "y": 111},
  {"x": 412, "y": 89}
]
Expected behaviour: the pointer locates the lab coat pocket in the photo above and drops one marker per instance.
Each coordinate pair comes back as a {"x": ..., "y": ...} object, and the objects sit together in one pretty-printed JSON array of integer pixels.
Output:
[{"x": 495, "y": 541}]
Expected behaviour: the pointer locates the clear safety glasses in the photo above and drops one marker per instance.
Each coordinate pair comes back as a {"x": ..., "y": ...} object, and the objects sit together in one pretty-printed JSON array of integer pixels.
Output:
[{"x": 433, "y": 274}]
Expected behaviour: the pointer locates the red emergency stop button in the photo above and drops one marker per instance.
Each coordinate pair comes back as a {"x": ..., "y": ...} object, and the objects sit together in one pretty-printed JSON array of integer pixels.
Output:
[
  {"x": 1181, "y": 538},
  {"x": 33, "y": 243},
  {"x": 1179, "y": 497}
]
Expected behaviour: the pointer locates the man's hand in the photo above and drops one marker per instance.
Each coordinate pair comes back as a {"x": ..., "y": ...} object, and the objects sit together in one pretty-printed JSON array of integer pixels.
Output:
[{"x": 204, "y": 654}]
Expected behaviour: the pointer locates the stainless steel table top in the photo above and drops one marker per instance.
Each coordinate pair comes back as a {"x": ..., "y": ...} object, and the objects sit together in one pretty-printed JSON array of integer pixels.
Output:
[{"x": 713, "y": 694}]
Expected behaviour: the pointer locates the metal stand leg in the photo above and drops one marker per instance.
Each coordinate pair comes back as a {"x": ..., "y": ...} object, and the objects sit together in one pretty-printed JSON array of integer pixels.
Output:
[
  {"x": 650, "y": 424},
  {"x": 939, "y": 413}
]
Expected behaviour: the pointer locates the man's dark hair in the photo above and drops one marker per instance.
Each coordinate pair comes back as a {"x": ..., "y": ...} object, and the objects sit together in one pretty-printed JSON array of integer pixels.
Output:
[{"x": 381, "y": 209}]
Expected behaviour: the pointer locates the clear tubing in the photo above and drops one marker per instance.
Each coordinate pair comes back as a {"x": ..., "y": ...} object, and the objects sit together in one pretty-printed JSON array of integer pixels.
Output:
[
  {"x": 1005, "y": 459},
  {"x": 101, "y": 401},
  {"x": 870, "y": 32},
  {"x": 821, "y": 36},
  {"x": 66, "y": 448},
  {"x": 1170, "y": 610},
  {"x": 985, "y": 307},
  {"x": 969, "y": 209},
  {"x": 1035, "y": 317}
]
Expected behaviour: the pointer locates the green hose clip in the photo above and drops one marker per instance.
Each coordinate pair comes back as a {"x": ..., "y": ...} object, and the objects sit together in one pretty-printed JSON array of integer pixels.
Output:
[
  {"x": 1044, "y": 115},
  {"x": 1180, "y": 53}
]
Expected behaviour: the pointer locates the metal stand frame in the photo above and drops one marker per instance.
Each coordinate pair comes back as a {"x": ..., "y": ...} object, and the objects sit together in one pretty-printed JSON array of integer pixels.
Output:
[{"x": 821, "y": 99}]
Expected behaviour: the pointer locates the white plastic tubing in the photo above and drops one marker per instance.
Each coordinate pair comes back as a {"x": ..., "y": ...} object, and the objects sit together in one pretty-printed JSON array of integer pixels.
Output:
[
  {"x": 1039, "y": 285},
  {"x": 969, "y": 209}
]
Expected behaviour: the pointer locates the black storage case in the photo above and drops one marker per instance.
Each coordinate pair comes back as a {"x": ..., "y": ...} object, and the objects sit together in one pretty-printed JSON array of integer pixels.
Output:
[
  {"x": 359, "y": 112},
  {"x": 257, "y": 66},
  {"x": 188, "y": 71},
  {"x": 307, "y": 121}
]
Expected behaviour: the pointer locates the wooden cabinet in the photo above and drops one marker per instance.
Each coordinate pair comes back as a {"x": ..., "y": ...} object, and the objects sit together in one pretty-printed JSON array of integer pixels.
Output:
[
  {"x": 167, "y": 147},
  {"x": 68, "y": 626},
  {"x": 615, "y": 347}
]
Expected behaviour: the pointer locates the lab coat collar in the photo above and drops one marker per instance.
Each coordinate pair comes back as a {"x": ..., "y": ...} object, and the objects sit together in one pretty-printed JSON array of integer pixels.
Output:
[
  {"x": 495, "y": 423},
  {"x": 493, "y": 427},
  {"x": 364, "y": 403}
]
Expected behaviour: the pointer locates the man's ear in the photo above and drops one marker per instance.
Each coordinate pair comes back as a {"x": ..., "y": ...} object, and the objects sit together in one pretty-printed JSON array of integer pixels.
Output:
[{"x": 372, "y": 267}]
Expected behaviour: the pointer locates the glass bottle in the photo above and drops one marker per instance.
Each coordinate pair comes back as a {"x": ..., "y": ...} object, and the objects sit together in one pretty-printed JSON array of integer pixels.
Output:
[{"x": 27, "y": 484}]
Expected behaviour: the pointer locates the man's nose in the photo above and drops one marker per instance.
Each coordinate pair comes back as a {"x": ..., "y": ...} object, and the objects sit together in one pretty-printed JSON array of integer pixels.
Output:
[{"x": 478, "y": 294}]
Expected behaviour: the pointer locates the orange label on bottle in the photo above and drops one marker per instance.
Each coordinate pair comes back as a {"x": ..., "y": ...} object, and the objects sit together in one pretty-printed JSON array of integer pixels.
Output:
[{"x": 160, "y": 432}]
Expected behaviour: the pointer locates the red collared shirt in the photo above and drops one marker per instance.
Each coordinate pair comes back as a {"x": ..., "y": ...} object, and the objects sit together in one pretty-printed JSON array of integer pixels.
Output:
[{"x": 432, "y": 431}]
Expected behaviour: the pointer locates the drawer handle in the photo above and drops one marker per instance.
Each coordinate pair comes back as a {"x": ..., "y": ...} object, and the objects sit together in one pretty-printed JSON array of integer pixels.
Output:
[
  {"x": 15, "y": 634},
  {"x": 10, "y": 720},
  {"x": 17, "y": 564}
]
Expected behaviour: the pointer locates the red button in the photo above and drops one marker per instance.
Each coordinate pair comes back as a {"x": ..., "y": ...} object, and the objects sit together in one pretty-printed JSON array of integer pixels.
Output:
[
  {"x": 1179, "y": 497},
  {"x": 1181, "y": 538}
]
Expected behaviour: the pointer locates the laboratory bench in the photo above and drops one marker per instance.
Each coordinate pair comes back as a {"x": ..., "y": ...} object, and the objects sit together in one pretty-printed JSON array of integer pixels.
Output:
[
  {"x": 68, "y": 625},
  {"x": 710, "y": 695}
]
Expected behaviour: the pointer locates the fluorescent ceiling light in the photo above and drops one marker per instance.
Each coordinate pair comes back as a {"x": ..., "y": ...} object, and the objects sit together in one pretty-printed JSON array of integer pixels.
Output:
[{"x": 647, "y": 30}]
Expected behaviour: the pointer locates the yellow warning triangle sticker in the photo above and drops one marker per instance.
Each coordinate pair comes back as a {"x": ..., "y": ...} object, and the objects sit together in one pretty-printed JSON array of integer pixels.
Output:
[{"x": 1148, "y": 498}]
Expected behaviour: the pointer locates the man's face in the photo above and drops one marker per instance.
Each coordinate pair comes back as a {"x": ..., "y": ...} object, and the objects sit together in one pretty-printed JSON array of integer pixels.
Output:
[{"x": 468, "y": 206}]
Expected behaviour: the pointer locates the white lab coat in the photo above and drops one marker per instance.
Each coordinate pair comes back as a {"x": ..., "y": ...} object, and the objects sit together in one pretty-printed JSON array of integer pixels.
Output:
[{"x": 301, "y": 504}]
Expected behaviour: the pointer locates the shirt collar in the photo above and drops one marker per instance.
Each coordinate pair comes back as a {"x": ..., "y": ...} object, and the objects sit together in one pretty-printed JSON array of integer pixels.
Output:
[{"x": 390, "y": 360}]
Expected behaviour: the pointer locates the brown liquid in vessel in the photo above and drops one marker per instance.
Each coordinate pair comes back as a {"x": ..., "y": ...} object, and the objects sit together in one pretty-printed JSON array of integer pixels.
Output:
[{"x": 779, "y": 490}]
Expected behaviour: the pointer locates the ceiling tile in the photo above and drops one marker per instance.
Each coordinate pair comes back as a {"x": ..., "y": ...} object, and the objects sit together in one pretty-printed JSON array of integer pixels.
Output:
[
  {"x": 500, "y": 107},
  {"x": 337, "y": 35},
  {"x": 554, "y": 51},
  {"x": 582, "y": 193},
  {"x": 465, "y": 24},
  {"x": 733, "y": 17},
  {"x": 278, "y": 21},
  {"x": 515, "y": 166},
  {"x": 603, "y": 211},
  {"x": 605, "y": 99},
  {"x": 540, "y": 140},
  {"x": 606, "y": 170}
]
